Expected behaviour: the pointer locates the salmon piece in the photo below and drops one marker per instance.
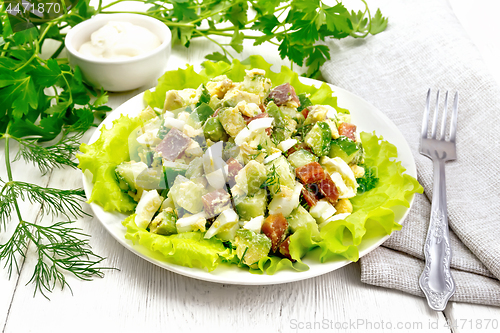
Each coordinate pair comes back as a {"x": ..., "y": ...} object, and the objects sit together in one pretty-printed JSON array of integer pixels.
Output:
[
  {"x": 328, "y": 188},
  {"x": 348, "y": 130},
  {"x": 310, "y": 173},
  {"x": 173, "y": 144},
  {"x": 309, "y": 197},
  {"x": 283, "y": 94},
  {"x": 305, "y": 112},
  {"x": 233, "y": 167},
  {"x": 216, "y": 202},
  {"x": 285, "y": 249},
  {"x": 274, "y": 228}
]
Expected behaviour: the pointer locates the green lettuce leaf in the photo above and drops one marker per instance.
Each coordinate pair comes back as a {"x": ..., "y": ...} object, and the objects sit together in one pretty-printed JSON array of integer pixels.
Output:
[
  {"x": 188, "y": 78},
  {"x": 187, "y": 249},
  {"x": 101, "y": 159}
]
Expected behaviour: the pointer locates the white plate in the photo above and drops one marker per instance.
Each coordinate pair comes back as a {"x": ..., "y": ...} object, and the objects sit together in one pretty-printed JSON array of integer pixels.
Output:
[{"x": 364, "y": 115}]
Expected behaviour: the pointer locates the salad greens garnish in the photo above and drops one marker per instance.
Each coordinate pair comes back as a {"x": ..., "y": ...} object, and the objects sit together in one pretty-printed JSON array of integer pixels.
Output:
[{"x": 369, "y": 179}]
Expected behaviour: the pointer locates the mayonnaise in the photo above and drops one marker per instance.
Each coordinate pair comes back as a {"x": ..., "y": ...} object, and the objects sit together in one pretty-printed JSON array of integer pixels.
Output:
[{"x": 119, "y": 40}]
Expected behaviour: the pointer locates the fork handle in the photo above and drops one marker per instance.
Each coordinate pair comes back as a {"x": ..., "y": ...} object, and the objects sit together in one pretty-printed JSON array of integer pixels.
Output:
[{"x": 436, "y": 281}]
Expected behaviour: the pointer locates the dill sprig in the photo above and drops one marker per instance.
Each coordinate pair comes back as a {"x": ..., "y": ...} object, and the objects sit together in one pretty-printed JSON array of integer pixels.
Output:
[
  {"x": 273, "y": 179},
  {"x": 46, "y": 158},
  {"x": 53, "y": 201},
  {"x": 60, "y": 248}
]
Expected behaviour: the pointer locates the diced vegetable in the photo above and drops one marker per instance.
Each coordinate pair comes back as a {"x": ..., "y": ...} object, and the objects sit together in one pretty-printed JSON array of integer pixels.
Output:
[
  {"x": 284, "y": 125},
  {"x": 319, "y": 138},
  {"x": 216, "y": 202},
  {"x": 172, "y": 170},
  {"x": 204, "y": 111},
  {"x": 249, "y": 207},
  {"x": 283, "y": 94},
  {"x": 310, "y": 173},
  {"x": 300, "y": 218},
  {"x": 301, "y": 157},
  {"x": 187, "y": 194},
  {"x": 127, "y": 174},
  {"x": 164, "y": 223},
  {"x": 348, "y": 130},
  {"x": 213, "y": 130},
  {"x": 230, "y": 150},
  {"x": 250, "y": 178},
  {"x": 322, "y": 211},
  {"x": 251, "y": 247},
  {"x": 195, "y": 168},
  {"x": 275, "y": 227},
  {"x": 280, "y": 169},
  {"x": 173, "y": 144},
  {"x": 346, "y": 149}
]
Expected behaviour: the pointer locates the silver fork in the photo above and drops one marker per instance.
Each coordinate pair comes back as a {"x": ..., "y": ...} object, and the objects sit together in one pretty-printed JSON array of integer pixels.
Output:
[{"x": 436, "y": 281}]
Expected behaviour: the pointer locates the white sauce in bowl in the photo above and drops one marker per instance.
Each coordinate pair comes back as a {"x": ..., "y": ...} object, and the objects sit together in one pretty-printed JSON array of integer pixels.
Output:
[{"x": 119, "y": 40}]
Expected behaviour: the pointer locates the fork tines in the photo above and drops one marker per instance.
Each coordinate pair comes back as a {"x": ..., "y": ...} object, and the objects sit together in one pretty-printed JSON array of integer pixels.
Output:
[{"x": 453, "y": 125}]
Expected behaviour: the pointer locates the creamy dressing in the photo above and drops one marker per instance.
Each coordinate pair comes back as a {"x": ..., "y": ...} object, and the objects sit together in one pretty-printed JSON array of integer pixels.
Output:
[{"x": 119, "y": 40}]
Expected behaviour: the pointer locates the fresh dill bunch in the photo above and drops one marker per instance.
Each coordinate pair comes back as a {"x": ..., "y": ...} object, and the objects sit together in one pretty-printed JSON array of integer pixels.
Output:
[
  {"x": 59, "y": 247},
  {"x": 46, "y": 158}
]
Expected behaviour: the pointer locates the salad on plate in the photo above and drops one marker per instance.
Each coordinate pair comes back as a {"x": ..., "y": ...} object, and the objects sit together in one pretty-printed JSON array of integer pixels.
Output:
[{"x": 241, "y": 165}]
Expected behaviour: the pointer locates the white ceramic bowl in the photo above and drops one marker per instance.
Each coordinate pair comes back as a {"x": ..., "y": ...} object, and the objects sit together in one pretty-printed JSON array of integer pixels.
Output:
[{"x": 121, "y": 74}]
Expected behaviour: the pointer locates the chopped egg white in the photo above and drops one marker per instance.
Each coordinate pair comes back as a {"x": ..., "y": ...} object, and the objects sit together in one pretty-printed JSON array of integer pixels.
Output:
[
  {"x": 287, "y": 144},
  {"x": 254, "y": 224},
  {"x": 285, "y": 202},
  {"x": 337, "y": 164},
  {"x": 146, "y": 208},
  {"x": 261, "y": 123},
  {"x": 272, "y": 157},
  {"x": 322, "y": 211},
  {"x": 191, "y": 223},
  {"x": 225, "y": 221}
]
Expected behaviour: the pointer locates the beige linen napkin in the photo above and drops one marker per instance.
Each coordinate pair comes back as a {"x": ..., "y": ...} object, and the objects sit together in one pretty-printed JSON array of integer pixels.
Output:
[{"x": 425, "y": 47}]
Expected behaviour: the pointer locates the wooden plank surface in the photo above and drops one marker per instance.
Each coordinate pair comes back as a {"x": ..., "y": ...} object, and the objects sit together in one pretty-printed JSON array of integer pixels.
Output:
[{"x": 141, "y": 297}]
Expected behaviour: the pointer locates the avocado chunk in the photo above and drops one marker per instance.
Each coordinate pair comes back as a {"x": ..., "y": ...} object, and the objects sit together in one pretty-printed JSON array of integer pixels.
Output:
[
  {"x": 251, "y": 247},
  {"x": 319, "y": 138},
  {"x": 133, "y": 175},
  {"x": 250, "y": 178},
  {"x": 300, "y": 218},
  {"x": 252, "y": 206},
  {"x": 164, "y": 223},
  {"x": 284, "y": 124},
  {"x": 351, "y": 152},
  {"x": 280, "y": 168}
]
